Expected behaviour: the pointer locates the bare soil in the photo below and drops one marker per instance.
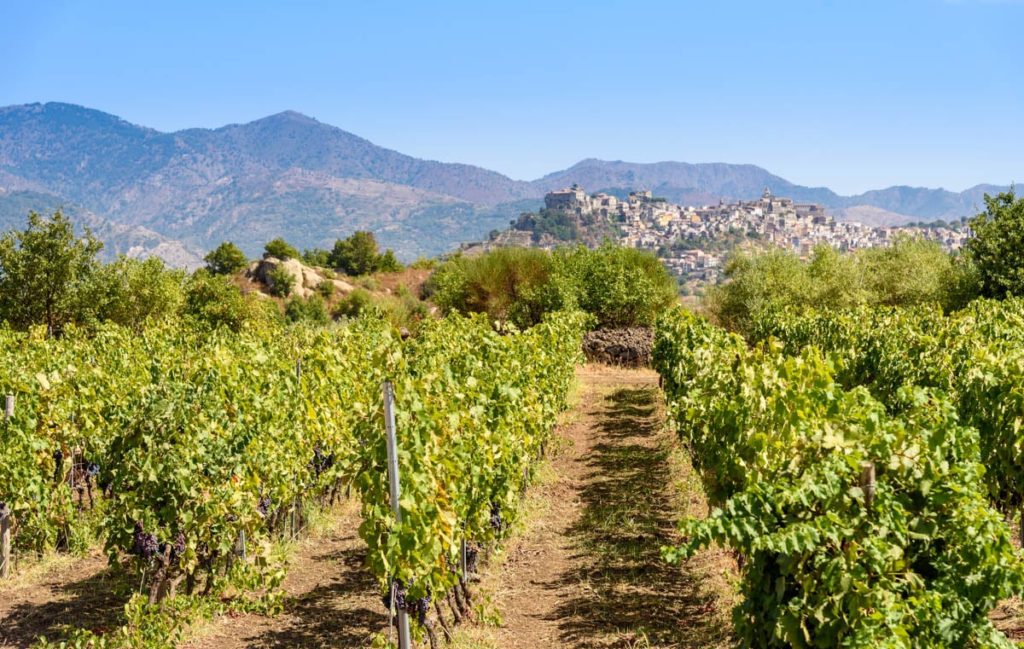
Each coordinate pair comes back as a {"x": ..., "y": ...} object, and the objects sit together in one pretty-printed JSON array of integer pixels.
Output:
[
  {"x": 60, "y": 591},
  {"x": 332, "y": 600},
  {"x": 588, "y": 570}
]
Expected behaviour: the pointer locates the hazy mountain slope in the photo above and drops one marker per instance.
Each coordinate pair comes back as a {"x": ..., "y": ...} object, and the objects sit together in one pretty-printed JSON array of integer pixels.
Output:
[
  {"x": 292, "y": 140},
  {"x": 290, "y": 175},
  {"x": 871, "y": 215},
  {"x": 920, "y": 202},
  {"x": 285, "y": 174},
  {"x": 118, "y": 238},
  {"x": 682, "y": 182}
]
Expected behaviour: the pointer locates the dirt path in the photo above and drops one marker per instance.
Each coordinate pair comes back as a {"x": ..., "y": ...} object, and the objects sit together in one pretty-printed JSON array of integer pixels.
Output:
[
  {"x": 588, "y": 571},
  {"x": 332, "y": 598},
  {"x": 64, "y": 590}
]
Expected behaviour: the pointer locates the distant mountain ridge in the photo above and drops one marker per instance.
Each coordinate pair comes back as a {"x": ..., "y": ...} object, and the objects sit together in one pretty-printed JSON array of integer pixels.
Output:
[{"x": 288, "y": 174}]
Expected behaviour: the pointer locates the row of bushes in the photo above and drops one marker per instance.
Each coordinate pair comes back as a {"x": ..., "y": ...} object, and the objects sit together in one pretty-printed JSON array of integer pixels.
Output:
[
  {"x": 355, "y": 255},
  {"x": 619, "y": 287},
  {"x": 50, "y": 276},
  {"x": 910, "y": 271}
]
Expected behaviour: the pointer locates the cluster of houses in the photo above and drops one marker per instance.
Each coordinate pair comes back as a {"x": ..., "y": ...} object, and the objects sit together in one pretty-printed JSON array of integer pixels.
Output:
[
  {"x": 693, "y": 241},
  {"x": 680, "y": 233}
]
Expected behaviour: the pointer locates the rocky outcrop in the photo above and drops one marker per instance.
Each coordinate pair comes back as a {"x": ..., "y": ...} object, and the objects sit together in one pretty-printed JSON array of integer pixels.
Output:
[
  {"x": 629, "y": 347},
  {"x": 305, "y": 280}
]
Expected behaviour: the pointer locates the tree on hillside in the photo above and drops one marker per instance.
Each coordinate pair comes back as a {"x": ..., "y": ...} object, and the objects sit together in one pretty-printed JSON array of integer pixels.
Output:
[
  {"x": 359, "y": 254},
  {"x": 43, "y": 270},
  {"x": 133, "y": 292},
  {"x": 388, "y": 263},
  {"x": 281, "y": 249},
  {"x": 225, "y": 259},
  {"x": 997, "y": 248},
  {"x": 620, "y": 287},
  {"x": 316, "y": 257},
  {"x": 910, "y": 271}
]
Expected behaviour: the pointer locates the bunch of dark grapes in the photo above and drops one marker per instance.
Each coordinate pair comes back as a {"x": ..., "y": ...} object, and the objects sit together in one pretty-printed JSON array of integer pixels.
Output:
[
  {"x": 472, "y": 554},
  {"x": 321, "y": 461},
  {"x": 420, "y": 606},
  {"x": 263, "y": 506},
  {"x": 413, "y": 606},
  {"x": 178, "y": 547},
  {"x": 144, "y": 544},
  {"x": 497, "y": 522},
  {"x": 399, "y": 590},
  {"x": 92, "y": 469}
]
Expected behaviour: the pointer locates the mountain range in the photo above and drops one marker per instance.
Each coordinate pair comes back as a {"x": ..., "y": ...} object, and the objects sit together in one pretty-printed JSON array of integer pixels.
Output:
[{"x": 179, "y": 194}]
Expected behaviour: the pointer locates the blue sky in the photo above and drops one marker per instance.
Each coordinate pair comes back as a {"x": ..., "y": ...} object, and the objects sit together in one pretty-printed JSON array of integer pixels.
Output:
[{"x": 853, "y": 95}]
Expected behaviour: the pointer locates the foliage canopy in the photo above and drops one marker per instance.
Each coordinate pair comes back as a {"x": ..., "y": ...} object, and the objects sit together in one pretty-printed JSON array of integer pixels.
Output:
[{"x": 997, "y": 248}]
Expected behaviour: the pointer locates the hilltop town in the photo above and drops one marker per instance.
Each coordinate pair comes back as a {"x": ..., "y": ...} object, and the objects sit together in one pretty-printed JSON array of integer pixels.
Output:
[{"x": 693, "y": 241}]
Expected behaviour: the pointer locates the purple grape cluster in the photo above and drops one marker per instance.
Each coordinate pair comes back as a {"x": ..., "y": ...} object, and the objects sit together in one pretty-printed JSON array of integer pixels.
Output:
[
  {"x": 472, "y": 555},
  {"x": 399, "y": 590},
  {"x": 144, "y": 544},
  {"x": 92, "y": 469},
  {"x": 421, "y": 606},
  {"x": 264, "y": 505},
  {"x": 321, "y": 461},
  {"x": 178, "y": 547},
  {"x": 497, "y": 522},
  {"x": 413, "y": 606}
]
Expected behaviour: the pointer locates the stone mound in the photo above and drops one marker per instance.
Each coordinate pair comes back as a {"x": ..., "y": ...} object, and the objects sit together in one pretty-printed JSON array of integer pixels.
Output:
[
  {"x": 304, "y": 279},
  {"x": 627, "y": 347}
]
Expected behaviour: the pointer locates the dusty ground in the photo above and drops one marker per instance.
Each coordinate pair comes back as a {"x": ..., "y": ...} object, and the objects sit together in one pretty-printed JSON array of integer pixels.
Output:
[
  {"x": 332, "y": 599},
  {"x": 62, "y": 590},
  {"x": 587, "y": 572}
]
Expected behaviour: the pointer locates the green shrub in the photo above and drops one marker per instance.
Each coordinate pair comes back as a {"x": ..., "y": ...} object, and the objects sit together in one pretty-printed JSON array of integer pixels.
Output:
[
  {"x": 215, "y": 302},
  {"x": 997, "y": 248},
  {"x": 281, "y": 249},
  {"x": 312, "y": 309},
  {"x": 325, "y": 289},
  {"x": 280, "y": 281},
  {"x": 359, "y": 255},
  {"x": 354, "y": 304},
  {"x": 225, "y": 259},
  {"x": 387, "y": 263},
  {"x": 618, "y": 286},
  {"x": 132, "y": 292},
  {"x": 509, "y": 284},
  {"x": 317, "y": 257},
  {"x": 45, "y": 271},
  {"x": 368, "y": 283},
  {"x": 910, "y": 271}
]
